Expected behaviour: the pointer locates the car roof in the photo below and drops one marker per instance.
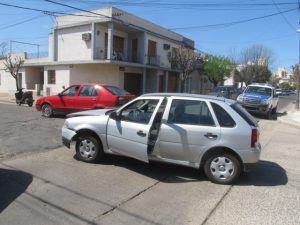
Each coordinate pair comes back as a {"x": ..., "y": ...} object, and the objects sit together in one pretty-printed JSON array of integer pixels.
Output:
[
  {"x": 187, "y": 95},
  {"x": 262, "y": 85}
]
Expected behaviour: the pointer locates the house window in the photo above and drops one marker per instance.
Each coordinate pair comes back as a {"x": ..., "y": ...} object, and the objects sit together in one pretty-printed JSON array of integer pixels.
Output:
[{"x": 51, "y": 76}]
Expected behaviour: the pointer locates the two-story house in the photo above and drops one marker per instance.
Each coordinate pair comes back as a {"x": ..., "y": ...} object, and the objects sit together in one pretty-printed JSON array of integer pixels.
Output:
[{"x": 109, "y": 46}]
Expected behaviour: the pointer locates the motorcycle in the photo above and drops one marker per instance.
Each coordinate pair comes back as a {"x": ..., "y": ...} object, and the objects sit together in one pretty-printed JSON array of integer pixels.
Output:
[{"x": 24, "y": 97}]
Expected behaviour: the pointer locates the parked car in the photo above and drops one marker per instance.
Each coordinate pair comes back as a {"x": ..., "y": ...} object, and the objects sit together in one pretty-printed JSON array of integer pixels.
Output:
[
  {"x": 278, "y": 91},
  {"x": 207, "y": 132},
  {"x": 227, "y": 91},
  {"x": 80, "y": 97},
  {"x": 259, "y": 98}
]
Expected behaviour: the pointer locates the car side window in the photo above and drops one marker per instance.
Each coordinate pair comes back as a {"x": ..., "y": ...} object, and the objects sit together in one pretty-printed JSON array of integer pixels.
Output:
[
  {"x": 224, "y": 119},
  {"x": 88, "y": 91},
  {"x": 139, "y": 111},
  {"x": 190, "y": 112},
  {"x": 71, "y": 91}
]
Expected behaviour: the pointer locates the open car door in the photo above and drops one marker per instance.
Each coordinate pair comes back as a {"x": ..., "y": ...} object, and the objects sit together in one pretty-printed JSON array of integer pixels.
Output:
[{"x": 128, "y": 129}]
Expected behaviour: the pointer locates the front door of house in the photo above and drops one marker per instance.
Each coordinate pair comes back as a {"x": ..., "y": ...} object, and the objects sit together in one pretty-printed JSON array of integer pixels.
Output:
[{"x": 133, "y": 83}]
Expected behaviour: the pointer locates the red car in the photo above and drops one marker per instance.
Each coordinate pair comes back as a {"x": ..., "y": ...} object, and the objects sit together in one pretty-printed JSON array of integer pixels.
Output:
[{"x": 80, "y": 97}]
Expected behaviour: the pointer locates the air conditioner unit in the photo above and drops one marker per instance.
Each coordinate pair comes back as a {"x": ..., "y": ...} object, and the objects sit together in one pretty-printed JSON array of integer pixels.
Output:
[
  {"x": 86, "y": 36},
  {"x": 166, "y": 46}
]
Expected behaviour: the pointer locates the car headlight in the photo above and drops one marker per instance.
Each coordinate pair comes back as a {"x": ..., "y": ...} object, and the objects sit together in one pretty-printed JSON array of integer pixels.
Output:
[
  {"x": 265, "y": 102},
  {"x": 66, "y": 124},
  {"x": 240, "y": 99}
]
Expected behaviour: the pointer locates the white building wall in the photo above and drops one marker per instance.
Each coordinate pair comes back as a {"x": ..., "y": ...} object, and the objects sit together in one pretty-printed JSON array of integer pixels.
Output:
[
  {"x": 160, "y": 51},
  {"x": 92, "y": 73},
  {"x": 62, "y": 79},
  {"x": 70, "y": 45}
]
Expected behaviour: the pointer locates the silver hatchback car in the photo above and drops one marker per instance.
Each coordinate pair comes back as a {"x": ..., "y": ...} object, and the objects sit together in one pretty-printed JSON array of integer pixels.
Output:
[{"x": 206, "y": 132}]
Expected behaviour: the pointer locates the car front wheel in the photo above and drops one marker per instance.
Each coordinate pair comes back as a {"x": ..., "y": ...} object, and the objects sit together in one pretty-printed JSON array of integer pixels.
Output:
[
  {"x": 47, "y": 110},
  {"x": 222, "y": 168},
  {"x": 88, "y": 148}
]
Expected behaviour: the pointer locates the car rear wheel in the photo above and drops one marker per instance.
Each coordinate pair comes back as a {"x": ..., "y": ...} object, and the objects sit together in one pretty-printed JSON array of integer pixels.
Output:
[
  {"x": 88, "y": 148},
  {"x": 222, "y": 168},
  {"x": 47, "y": 110}
]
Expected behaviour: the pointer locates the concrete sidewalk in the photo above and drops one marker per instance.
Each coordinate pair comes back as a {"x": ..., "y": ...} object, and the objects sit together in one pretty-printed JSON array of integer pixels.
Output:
[{"x": 291, "y": 117}]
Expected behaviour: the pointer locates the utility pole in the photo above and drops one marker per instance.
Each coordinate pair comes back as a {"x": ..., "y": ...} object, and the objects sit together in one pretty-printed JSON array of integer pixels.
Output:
[{"x": 298, "y": 78}]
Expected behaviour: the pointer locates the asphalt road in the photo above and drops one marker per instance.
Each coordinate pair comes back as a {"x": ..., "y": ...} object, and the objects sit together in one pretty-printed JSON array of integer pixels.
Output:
[
  {"x": 24, "y": 130},
  {"x": 52, "y": 187}
]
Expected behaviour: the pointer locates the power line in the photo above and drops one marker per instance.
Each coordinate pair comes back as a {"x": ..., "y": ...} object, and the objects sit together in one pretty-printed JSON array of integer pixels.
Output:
[
  {"x": 232, "y": 23},
  {"x": 47, "y": 12},
  {"x": 283, "y": 16},
  {"x": 19, "y": 23}
]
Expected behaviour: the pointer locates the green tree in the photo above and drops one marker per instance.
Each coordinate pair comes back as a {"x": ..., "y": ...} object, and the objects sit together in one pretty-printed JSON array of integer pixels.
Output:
[{"x": 217, "y": 68}]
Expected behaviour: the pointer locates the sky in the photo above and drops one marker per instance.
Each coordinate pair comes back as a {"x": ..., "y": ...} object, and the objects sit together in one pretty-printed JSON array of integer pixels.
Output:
[{"x": 218, "y": 27}]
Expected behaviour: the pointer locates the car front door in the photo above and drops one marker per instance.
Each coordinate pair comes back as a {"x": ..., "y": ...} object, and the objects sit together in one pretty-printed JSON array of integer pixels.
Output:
[
  {"x": 128, "y": 133},
  {"x": 187, "y": 130},
  {"x": 66, "y": 101}
]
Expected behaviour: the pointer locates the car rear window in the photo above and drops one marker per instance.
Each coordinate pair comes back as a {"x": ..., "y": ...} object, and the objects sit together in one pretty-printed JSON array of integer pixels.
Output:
[
  {"x": 244, "y": 114},
  {"x": 225, "y": 120},
  {"x": 116, "y": 90}
]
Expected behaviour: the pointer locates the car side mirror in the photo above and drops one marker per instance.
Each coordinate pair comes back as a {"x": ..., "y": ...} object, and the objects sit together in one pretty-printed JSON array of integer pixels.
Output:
[{"x": 114, "y": 115}]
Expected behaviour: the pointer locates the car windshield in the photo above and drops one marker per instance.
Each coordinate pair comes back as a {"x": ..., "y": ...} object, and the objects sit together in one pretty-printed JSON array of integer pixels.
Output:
[
  {"x": 116, "y": 90},
  {"x": 259, "y": 90}
]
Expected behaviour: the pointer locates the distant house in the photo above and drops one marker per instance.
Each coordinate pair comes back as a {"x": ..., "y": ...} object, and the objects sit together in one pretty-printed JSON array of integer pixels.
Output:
[{"x": 115, "y": 47}]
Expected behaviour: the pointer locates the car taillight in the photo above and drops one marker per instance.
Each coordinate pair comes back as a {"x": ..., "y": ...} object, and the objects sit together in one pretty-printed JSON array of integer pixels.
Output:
[
  {"x": 254, "y": 137},
  {"x": 120, "y": 101}
]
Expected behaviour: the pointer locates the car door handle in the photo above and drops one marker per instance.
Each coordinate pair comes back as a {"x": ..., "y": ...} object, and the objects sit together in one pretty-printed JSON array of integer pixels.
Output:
[
  {"x": 211, "y": 136},
  {"x": 93, "y": 99},
  {"x": 141, "y": 133}
]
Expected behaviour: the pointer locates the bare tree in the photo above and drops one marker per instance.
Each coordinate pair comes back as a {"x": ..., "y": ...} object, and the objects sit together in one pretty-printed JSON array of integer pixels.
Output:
[
  {"x": 3, "y": 49},
  {"x": 257, "y": 55},
  {"x": 184, "y": 59},
  {"x": 13, "y": 64}
]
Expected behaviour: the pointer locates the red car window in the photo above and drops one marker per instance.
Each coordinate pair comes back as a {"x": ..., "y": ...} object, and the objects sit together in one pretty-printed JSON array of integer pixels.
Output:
[
  {"x": 71, "y": 91},
  {"x": 88, "y": 91}
]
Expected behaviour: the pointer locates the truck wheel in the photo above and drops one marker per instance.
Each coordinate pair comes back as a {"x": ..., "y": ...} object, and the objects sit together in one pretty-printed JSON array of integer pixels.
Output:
[
  {"x": 222, "y": 168},
  {"x": 47, "y": 110},
  {"x": 269, "y": 115},
  {"x": 88, "y": 148},
  {"x": 274, "y": 110}
]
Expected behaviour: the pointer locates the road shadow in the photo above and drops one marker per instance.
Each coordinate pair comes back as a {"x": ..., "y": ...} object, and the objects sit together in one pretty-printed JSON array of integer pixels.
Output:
[
  {"x": 266, "y": 173},
  {"x": 162, "y": 172},
  {"x": 12, "y": 184},
  {"x": 263, "y": 117}
]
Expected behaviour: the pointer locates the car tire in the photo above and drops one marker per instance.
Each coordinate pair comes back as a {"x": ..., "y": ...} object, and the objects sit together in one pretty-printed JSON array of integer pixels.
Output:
[
  {"x": 47, "y": 110},
  {"x": 274, "y": 110},
  {"x": 89, "y": 148},
  {"x": 222, "y": 168},
  {"x": 269, "y": 115}
]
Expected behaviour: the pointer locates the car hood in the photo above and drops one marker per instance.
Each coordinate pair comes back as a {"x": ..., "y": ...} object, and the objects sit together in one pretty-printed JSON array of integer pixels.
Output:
[
  {"x": 94, "y": 112},
  {"x": 254, "y": 96}
]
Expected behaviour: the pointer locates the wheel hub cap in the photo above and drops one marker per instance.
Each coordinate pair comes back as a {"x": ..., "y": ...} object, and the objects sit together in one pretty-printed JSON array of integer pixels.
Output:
[
  {"x": 87, "y": 148},
  {"x": 222, "y": 168}
]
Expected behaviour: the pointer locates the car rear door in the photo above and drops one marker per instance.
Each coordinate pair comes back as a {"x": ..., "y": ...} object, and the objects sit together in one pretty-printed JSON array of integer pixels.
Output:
[
  {"x": 86, "y": 98},
  {"x": 128, "y": 134},
  {"x": 188, "y": 129}
]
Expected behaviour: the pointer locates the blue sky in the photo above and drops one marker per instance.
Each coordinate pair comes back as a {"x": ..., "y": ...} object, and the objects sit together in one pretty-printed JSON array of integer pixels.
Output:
[{"x": 207, "y": 22}]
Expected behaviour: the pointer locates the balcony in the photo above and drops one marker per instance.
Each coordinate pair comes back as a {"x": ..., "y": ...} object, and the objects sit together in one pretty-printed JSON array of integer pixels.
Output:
[{"x": 153, "y": 60}]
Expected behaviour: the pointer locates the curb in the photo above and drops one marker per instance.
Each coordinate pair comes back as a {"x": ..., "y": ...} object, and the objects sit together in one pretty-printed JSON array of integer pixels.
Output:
[{"x": 289, "y": 121}]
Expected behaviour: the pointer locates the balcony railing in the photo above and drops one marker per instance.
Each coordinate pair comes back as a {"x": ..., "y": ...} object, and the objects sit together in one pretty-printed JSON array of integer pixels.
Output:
[{"x": 153, "y": 60}]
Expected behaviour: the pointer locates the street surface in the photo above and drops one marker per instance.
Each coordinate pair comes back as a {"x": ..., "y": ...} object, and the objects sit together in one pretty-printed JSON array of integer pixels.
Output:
[{"x": 42, "y": 183}]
